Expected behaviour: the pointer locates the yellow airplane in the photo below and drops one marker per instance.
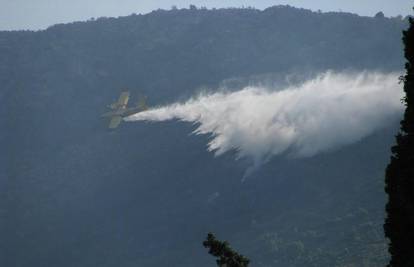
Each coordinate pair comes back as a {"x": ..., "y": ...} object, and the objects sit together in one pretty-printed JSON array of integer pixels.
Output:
[{"x": 120, "y": 109}]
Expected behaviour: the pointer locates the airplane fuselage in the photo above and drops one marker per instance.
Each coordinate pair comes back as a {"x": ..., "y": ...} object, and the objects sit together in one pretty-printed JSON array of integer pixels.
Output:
[{"x": 123, "y": 112}]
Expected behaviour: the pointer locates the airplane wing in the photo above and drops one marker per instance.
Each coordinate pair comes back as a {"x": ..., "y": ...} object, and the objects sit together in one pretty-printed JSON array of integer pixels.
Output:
[
  {"x": 123, "y": 99},
  {"x": 115, "y": 121}
]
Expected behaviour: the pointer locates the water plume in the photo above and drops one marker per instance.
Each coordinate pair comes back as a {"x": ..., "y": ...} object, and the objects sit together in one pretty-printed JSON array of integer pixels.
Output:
[{"x": 318, "y": 115}]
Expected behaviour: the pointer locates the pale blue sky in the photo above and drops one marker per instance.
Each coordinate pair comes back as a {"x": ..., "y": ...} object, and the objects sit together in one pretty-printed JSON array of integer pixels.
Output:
[{"x": 39, "y": 14}]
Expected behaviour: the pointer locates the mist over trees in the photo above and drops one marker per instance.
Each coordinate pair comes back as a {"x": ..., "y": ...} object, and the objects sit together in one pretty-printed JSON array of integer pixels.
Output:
[
  {"x": 399, "y": 224},
  {"x": 75, "y": 194}
]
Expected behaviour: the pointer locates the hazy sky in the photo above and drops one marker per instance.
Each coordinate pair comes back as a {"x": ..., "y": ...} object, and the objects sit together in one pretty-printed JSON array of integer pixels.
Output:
[{"x": 39, "y": 14}]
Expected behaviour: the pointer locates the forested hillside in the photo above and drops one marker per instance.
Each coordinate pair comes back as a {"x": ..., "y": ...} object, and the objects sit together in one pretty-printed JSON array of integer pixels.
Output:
[{"x": 74, "y": 193}]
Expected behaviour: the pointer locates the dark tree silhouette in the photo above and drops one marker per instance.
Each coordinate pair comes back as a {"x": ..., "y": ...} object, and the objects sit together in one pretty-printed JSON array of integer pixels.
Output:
[
  {"x": 399, "y": 224},
  {"x": 226, "y": 255},
  {"x": 380, "y": 15}
]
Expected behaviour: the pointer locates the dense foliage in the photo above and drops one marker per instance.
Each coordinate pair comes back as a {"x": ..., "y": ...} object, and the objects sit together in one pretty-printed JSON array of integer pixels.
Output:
[
  {"x": 227, "y": 257},
  {"x": 399, "y": 224},
  {"x": 73, "y": 193}
]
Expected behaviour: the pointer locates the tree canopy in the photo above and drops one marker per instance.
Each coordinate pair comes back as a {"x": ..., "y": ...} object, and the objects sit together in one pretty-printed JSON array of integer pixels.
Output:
[
  {"x": 399, "y": 225},
  {"x": 226, "y": 255}
]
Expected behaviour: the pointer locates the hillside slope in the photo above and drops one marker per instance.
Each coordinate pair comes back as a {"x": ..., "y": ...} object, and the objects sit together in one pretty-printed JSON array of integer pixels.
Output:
[{"x": 76, "y": 194}]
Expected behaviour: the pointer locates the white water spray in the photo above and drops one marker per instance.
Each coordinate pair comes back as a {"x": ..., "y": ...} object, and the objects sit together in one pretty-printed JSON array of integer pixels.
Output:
[{"x": 327, "y": 112}]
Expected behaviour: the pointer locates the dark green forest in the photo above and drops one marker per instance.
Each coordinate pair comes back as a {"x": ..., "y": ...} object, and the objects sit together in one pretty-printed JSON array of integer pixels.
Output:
[{"x": 73, "y": 193}]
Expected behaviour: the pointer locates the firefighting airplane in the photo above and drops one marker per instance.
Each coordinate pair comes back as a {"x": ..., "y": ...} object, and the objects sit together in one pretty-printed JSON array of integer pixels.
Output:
[{"x": 120, "y": 109}]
